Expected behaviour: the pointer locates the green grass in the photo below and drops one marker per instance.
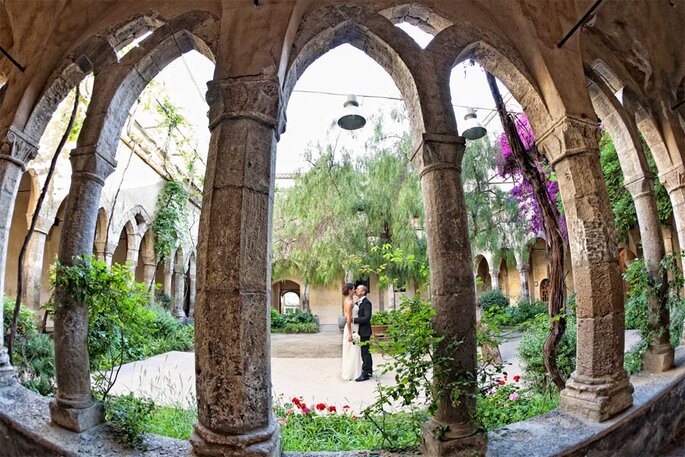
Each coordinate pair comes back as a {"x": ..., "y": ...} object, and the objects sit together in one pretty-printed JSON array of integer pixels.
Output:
[{"x": 173, "y": 422}]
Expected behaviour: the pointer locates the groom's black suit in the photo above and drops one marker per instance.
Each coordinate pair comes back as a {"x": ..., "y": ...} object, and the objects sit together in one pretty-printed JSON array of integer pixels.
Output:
[{"x": 364, "y": 321}]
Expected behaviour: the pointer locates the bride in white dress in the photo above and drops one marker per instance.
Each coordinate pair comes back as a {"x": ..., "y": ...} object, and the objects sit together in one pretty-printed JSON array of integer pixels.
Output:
[{"x": 351, "y": 352}]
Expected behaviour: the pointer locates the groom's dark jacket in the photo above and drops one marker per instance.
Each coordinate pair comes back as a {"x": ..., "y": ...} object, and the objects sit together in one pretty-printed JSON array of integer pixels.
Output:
[{"x": 364, "y": 319}]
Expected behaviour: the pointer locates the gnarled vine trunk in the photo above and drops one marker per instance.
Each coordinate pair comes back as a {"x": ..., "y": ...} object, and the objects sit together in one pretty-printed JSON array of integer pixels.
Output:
[{"x": 526, "y": 160}]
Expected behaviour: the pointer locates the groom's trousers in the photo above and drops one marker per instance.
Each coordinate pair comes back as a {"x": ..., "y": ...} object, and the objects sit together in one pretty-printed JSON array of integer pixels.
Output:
[{"x": 367, "y": 361}]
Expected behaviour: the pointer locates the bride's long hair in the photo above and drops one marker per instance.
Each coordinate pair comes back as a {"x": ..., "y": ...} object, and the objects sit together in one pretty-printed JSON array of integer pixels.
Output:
[{"x": 347, "y": 288}]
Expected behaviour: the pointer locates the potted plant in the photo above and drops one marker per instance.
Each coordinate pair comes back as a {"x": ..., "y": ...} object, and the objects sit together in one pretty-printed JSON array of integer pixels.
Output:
[{"x": 379, "y": 323}]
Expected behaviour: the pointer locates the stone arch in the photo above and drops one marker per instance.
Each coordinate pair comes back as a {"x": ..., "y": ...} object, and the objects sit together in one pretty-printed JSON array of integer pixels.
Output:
[
  {"x": 465, "y": 41},
  {"x": 483, "y": 273},
  {"x": 101, "y": 233},
  {"x": 127, "y": 235},
  {"x": 138, "y": 217},
  {"x": 419, "y": 15},
  {"x": 115, "y": 93},
  {"x": 331, "y": 26}
]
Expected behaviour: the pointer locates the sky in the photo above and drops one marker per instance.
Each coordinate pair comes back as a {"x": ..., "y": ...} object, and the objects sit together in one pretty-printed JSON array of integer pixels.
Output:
[{"x": 310, "y": 116}]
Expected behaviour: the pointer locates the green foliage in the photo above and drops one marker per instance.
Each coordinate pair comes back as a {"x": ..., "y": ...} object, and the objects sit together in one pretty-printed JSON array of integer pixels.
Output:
[
  {"x": 129, "y": 417},
  {"x": 340, "y": 209},
  {"x": 508, "y": 403},
  {"x": 532, "y": 354},
  {"x": 525, "y": 311},
  {"x": 493, "y": 214},
  {"x": 170, "y": 219},
  {"x": 297, "y": 322},
  {"x": 493, "y": 299},
  {"x": 383, "y": 317},
  {"x": 172, "y": 421},
  {"x": 34, "y": 352},
  {"x": 163, "y": 299},
  {"x": 120, "y": 326}
]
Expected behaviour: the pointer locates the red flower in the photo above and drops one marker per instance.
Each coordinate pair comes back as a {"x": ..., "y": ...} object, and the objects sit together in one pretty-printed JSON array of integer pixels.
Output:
[
  {"x": 320, "y": 407},
  {"x": 517, "y": 378},
  {"x": 501, "y": 382},
  {"x": 296, "y": 401},
  {"x": 346, "y": 407},
  {"x": 331, "y": 409}
]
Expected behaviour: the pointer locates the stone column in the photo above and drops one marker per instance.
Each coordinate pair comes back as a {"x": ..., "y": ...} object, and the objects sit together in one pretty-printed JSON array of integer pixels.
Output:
[
  {"x": 674, "y": 182},
  {"x": 16, "y": 150},
  {"x": 599, "y": 388},
  {"x": 523, "y": 278},
  {"x": 168, "y": 273},
  {"x": 179, "y": 292},
  {"x": 232, "y": 339},
  {"x": 660, "y": 354},
  {"x": 149, "y": 271},
  {"x": 108, "y": 253},
  {"x": 494, "y": 278},
  {"x": 192, "y": 285},
  {"x": 452, "y": 430},
  {"x": 74, "y": 407},
  {"x": 32, "y": 270},
  {"x": 132, "y": 259}
]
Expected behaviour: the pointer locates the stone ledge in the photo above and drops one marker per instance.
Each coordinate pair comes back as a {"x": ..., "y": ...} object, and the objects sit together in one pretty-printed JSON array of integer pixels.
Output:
[{"x": 657, "y": 415}]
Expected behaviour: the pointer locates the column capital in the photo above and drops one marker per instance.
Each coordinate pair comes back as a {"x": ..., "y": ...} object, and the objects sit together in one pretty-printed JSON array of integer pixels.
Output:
[
  {"x": 17, "y": 147},
  {"x": 88, "y": 162},
  {"x": 641, "y": 187},
  {"x": 674, "y": 178},
  {"x": 247, "y": 97},
  {"x": 43, "y": 224},
  {"x": 439, "y": 152},
  {"x": 568, "y": 136}
]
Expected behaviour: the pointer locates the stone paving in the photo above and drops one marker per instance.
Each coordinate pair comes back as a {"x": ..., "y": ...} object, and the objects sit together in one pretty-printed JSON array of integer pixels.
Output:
[{"x": 301, "y": 365}]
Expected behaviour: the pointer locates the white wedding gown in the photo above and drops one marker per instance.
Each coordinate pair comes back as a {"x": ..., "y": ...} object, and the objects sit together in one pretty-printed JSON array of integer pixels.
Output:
[{"x": 351, "y": 353}]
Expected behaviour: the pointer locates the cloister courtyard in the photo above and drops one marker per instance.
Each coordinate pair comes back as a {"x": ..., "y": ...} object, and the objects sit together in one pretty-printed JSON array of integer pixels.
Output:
[{"x": 187, "y": 186}]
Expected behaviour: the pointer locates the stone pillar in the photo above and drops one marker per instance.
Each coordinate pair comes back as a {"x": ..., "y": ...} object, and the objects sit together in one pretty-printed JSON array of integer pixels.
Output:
[
  {"x": 232, "y": 339},
  {"x": 674, "y": 182},
  {"x": 452, "y": 430},
  {"x": 660, "y": 354},
  {"x": 192, "y": 285},
  {"x": 168, "y": 273},
  {"x": 32, "y": 270},
  {"x": 132, "y": 259},
  {"x": 494, "y": 278},
  {"x": 179, "y": 292},
  {"x": 523, "y": 278},
  {"x": 16, "y": 150},
  {"x": 149, "y": 271},
  {"x": 74, "y": 407},
  {"x": 599, "y": 388}
]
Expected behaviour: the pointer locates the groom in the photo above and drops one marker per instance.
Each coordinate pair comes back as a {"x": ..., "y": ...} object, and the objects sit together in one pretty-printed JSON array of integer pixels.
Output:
[{"x": 364, "y": 321}]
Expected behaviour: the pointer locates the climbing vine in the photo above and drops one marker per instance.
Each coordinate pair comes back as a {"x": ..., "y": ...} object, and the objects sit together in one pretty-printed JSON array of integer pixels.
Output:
[{"x": 170, "y": 219}]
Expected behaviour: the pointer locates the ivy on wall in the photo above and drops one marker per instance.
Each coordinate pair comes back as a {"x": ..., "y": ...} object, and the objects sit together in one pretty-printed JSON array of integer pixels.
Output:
[{"x": 170, "y": 219}]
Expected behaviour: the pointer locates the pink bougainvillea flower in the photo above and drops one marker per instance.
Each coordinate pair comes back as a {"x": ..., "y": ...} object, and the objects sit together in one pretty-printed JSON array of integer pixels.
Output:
[
  {"x": 514, "y": 396},
  {"x": 306, "y": 410}
]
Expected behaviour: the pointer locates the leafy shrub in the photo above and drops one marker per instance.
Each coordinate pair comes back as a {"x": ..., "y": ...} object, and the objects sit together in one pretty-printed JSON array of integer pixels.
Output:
[
  {"x": 297, "y": 322},
  {"x": 168, "y": 333},
  {"x": 493, "y": 299},
  {"x": 507, "y": 403},
  {"x": 526, "y": 311},
  {"x": 34, "y": 352},
  {"x": 532, "y": 354},
  {"x": 163, "y": 299},
  {"x": 129, "y": 417},
  {"x": 383, "y": 317},
  {"x": 172, "y": 421}
]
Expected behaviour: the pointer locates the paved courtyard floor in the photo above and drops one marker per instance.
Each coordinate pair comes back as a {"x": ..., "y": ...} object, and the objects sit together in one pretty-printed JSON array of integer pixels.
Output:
[{"x": 301, "y": 365}]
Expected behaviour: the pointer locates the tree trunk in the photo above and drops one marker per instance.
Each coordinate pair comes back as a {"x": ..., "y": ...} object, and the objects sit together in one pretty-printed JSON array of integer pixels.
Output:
[
  {"x": 532, "y": 173},
  {"x": 305, "y": 300}
]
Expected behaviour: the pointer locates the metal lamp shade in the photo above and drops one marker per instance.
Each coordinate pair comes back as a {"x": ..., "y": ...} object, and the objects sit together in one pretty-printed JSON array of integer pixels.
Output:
[
  {"x": 351, "y": 119},
  {"x": 474, "y": 129}
]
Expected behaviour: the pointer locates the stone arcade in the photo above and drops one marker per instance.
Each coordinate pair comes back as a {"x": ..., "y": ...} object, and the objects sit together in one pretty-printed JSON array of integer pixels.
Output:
[{"x": 261, "y": 47}]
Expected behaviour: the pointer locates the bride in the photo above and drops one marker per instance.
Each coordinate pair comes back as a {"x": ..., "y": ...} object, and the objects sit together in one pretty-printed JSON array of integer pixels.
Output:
[{"x": 351, "y": 352}]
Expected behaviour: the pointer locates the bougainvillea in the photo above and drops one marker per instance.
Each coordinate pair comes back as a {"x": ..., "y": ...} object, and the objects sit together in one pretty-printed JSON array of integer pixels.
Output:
[{"x": 522, "y": 191}]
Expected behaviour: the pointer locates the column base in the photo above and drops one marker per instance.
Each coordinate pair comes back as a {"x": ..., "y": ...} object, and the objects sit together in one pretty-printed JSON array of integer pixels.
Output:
[
  {"x": 458, "y": 440},
  {"x": 7, "y": 373},
  {"x": 77, "y": 420},
  {"x": 265, "y": 442},
  {"x": 597, "y": 399},
  {"x": 658, "y": 358}
]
